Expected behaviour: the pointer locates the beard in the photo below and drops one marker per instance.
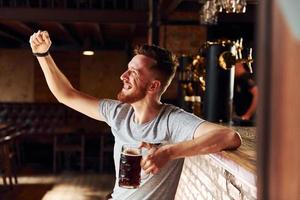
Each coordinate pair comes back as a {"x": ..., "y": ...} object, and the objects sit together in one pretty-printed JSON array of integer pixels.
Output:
[{"x": 136, "y": 95}]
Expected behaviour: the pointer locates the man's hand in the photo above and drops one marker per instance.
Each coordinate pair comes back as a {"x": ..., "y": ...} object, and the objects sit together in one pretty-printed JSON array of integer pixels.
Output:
[
  {"x": 40, "y": 42},
  {"x": 245, "y": 117},
  {"x": 157, "y": 157}
]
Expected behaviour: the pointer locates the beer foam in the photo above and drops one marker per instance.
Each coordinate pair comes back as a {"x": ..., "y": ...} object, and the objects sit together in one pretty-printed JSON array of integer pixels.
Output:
[{"x": 131, "y": 152}]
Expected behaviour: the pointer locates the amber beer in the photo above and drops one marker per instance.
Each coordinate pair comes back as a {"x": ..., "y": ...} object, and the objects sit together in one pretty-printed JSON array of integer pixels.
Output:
[{"x": 130, "y": 167}]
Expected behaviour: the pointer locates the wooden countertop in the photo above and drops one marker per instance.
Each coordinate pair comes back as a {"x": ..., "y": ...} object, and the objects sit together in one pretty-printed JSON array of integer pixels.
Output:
[{"x": 241, "y": 162}]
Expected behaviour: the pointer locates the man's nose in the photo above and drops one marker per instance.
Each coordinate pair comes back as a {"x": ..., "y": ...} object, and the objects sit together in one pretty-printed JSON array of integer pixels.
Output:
[{"x": 124, "y": 75}]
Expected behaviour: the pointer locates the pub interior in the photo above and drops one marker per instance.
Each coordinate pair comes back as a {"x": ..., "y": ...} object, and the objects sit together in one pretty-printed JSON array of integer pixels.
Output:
[{"x": 51, "y": 152}]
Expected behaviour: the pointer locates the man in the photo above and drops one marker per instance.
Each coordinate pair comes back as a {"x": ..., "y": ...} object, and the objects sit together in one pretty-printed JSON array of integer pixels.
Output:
[
  {"x": 139, "y": 116},
  {"x": 245, "y": 93}
]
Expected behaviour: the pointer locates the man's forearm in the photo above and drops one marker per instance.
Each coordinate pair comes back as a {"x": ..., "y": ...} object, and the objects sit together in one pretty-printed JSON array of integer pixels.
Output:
[
  {"x": 252, "y": 108},
  {"x": 56, "y": 80},
  {"x": 208, "y": 138},
  {"x": 211, "y": 142}
]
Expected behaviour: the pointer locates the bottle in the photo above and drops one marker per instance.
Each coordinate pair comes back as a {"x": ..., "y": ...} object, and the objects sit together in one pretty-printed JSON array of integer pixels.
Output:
[
  {"x": 197, "y": 82},
  {"x": 189, "y": 97},
  {"x": 185, "y": 87}
]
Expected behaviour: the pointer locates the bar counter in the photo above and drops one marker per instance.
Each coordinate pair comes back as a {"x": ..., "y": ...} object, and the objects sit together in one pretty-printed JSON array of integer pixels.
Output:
[
  {"x": 241, "y": 162},
  {"x": 223, "y": 175}
]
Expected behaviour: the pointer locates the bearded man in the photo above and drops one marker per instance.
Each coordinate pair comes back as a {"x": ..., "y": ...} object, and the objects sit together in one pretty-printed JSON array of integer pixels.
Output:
[{"x": 139, "y": 117}]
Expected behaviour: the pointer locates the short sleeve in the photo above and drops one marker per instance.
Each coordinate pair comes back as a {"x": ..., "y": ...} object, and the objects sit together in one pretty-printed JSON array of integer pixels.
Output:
[
  {"x": 182, "y": 125},
  {"x": 108, "y": 109}
]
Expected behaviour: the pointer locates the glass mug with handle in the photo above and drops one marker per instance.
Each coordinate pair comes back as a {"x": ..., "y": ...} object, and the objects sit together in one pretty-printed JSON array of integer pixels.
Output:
[{"x": 130, "y": 172}]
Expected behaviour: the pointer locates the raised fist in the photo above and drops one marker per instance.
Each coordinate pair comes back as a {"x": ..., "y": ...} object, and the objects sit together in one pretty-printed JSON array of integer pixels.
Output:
[{"x": 40, "y": 42}]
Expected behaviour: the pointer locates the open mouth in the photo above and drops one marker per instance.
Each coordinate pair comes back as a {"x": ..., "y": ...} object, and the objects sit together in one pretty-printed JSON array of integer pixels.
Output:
[{"x": 127, "y": 86}]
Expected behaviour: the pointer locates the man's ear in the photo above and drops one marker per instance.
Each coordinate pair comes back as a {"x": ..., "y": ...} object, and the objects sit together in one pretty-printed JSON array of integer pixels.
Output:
[{"x": 154, "y": 86}]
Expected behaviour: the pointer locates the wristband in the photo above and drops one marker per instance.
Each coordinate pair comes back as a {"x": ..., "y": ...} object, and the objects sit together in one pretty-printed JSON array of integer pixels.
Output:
[{"x": 41, "y": 54}]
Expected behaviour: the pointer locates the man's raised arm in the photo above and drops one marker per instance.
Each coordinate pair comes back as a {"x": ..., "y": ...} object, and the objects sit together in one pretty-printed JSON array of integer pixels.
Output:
[{"x": 57, "y": 82}]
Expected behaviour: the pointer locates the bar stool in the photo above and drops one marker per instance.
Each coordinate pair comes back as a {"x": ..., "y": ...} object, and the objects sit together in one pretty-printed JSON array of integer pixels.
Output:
[
  {"x": 106, "y": 146},
  {"x": 8, "y": 156},
  {"x": 9, "y": 165},
  {"x": 68, "y": 141}
]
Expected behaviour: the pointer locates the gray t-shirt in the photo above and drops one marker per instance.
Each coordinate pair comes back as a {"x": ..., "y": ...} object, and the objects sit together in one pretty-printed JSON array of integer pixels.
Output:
[{"x": 172, "y": 125}]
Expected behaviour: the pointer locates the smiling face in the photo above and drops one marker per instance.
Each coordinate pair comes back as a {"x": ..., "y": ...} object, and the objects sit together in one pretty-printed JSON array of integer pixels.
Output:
[{"x": 136, "y": 79}]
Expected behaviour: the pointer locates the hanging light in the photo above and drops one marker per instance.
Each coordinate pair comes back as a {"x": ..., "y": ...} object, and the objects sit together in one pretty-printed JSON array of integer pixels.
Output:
[
  {"x": 88, "y": 53},
  {"x": 87, "y": 47}
]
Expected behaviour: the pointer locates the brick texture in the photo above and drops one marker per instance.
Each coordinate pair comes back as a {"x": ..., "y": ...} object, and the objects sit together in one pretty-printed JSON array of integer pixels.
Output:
[
  {"x": 203, "y": 178},
  {"x": 182, "y": 39}
]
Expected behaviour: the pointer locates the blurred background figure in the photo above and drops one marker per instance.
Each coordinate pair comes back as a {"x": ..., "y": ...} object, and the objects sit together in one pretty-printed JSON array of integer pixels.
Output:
[{"x": 245, "y": 93}]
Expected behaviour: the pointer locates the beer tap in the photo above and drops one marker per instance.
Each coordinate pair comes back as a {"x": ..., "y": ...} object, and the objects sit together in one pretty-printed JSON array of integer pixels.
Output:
[
  {"x": 240, "y": 48},
  {"x": 250, "y": 61}
]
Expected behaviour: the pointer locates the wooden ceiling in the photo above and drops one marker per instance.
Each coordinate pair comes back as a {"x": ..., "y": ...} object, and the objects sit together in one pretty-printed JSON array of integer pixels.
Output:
[{"x": 72, "y": 24}]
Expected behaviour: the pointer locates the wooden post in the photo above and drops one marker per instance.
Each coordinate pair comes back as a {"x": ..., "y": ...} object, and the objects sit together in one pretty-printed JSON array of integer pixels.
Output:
[
  {"x": 153, "y": 31},
  {"x": 279, "y": 112}
]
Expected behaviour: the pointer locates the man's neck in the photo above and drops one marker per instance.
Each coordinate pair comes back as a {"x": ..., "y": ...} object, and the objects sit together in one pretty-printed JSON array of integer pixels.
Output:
[{"x": 146, "y": 111}]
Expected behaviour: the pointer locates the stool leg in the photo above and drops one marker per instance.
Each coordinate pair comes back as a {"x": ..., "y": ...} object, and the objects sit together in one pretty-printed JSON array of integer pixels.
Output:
[
  {"x": 18, "y": 154},
  {"x": 11, "y": 168},
  {"x": 10, "y": 180},
  {"x": 81, "y": 162},
  {"x": 3, "y": 164},
  {"x": 82, "y": 153},
  {"x": 54, "y": 162},
  {"x": 8, "y": 171},
  {"x": 7, "y": 165},
  {"x": 54, "y": 154},
  {"x": 4, "y": 178},
  {"x": 15, "y": 172},
  {"x": 16, "y": 179},
  {"x": 101, "y": 153}
]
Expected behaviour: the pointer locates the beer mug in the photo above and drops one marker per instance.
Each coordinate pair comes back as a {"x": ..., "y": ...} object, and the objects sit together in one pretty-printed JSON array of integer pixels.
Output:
[{"x": 130, "y": 173}]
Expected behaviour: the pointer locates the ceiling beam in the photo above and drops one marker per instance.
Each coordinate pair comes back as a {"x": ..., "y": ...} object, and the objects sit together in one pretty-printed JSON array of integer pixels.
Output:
[
  {"x": 58, "y": 31},
  {"x": 82, "y": 31},
  {"x": 17, "y": 27},
  {"x": 98, "y": 33},
  {"x": 63, "y": 15},
  {"x": 66, "y": 33},
  {"x": 90, "y": 30},
  {"x": 9, "y": 36}
]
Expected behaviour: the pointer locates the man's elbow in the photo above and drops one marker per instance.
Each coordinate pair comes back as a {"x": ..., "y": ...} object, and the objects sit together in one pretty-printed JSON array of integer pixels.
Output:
[
  {"x": 64, "y": 97},
  {"x": 60, "y": 98},
  {"x": 234, "y": 140}
]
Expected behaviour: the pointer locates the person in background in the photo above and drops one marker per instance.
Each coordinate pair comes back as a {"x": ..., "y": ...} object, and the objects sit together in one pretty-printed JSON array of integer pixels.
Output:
[
  {"x": 245, "y": 92},
  {"x": 139, "y": 117}
]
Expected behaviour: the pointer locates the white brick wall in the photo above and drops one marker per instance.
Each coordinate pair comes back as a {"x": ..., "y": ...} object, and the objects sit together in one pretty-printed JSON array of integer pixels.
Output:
[{"x": 203, "y": 178}]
